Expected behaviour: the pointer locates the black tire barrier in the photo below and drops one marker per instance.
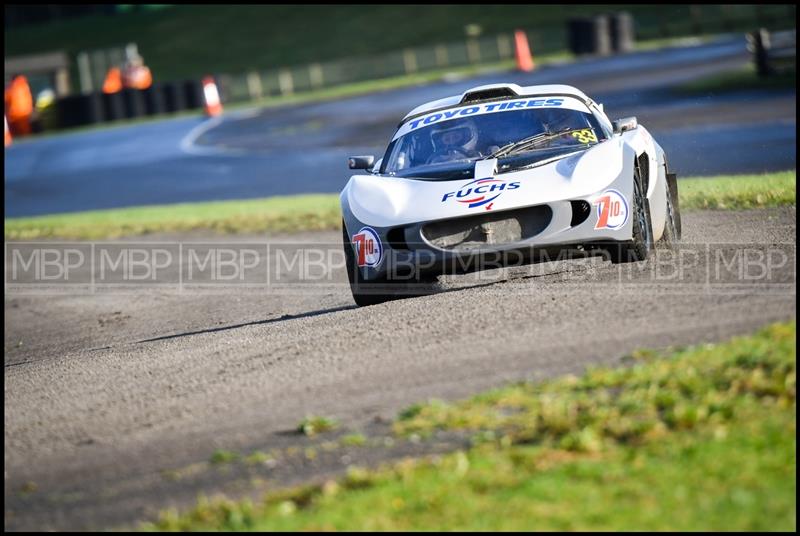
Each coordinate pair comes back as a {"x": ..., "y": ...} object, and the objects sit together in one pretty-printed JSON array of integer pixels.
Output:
[
  {"x": 78, "y": 110},
  {"x": 97, "y": 107},
  {"x": 174, "y": 98},
  {"x": 589, "y": 35},
  {"x": 134, "y": 102},
  {"x": 575, "y": 41},
  {"x": 622, "y": 32},
  {"x": 114, "y": 106},
  {"x": 193, "y": 89},
  {"x": 155, "y": 100}
]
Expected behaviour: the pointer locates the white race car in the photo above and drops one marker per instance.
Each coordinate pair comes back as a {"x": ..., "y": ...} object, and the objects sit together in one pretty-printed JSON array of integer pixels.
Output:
[{"x": 499, "y": 175}]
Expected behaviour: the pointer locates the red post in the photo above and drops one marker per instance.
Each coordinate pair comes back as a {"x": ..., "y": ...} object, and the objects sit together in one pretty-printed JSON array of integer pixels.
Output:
[
  {"x": 213, "y": 103},
  {"x": 523, "y": 52}
]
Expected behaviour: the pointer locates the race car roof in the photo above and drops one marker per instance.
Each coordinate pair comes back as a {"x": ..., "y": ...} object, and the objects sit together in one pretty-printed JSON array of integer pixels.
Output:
[{"x": 511, "y": 91}]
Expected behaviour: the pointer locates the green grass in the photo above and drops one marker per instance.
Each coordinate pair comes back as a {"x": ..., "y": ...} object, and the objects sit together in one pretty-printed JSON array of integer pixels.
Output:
[
  {"x": 221, "y": 456},
  {"x": 313, "y": 425},
  {"x": 353, "y": 440},
  {"x": 257, "y": 458},
  {"x": 316, "y": 212},
  {"x": 192, "y": 40},
  {"x": 744, "y": 78},
  {"x": 739, "y": 192},
  {"x": 698, "y": 439},
  {"x": 277, "y": 214}
]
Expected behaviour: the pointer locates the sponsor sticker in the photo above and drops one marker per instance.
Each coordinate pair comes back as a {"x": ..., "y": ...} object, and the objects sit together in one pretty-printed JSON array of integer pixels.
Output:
[
  {"x": 369, "y": 250},
  {"x": 488, "y": 108},
  {"x": 480, "y": 192},
  {"x": 612, "y": 210}
]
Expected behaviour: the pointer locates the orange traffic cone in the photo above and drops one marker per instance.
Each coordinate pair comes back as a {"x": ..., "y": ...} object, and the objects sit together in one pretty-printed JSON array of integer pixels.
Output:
[
  {"x": 523, "y": 52},
  {"x": 8, "y": 132},
  {"x": 213, "y": 103}
]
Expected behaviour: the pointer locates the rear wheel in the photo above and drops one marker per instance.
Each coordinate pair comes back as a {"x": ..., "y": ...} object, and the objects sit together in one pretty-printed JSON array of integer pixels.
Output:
[{"x": 640, "y": 246}]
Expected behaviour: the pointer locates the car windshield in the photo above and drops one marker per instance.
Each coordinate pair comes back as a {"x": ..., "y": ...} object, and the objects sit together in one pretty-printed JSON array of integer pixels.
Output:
[{"x": 448, "y": 147}]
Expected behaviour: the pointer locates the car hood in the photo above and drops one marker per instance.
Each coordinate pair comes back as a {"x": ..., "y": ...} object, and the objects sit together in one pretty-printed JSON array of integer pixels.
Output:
[{"x": 388, "y": 201}]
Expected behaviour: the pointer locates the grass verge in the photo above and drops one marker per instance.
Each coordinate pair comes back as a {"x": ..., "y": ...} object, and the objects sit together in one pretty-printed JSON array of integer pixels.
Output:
[
  {"x": 318, "y": 212},
  {"x": 699, "y": 439},
  {"x": 280, "y": 213},
  {"x": 739, "y": 192}
]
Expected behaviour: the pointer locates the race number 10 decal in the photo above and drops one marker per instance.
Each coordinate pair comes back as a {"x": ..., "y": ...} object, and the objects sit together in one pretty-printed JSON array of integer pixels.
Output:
[
  {"x": 369, "y": 249},
  {"x": 612, "y": 210}
]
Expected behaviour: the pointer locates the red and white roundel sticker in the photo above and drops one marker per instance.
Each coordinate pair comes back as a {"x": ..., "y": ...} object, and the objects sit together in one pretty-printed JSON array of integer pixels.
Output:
[
  {"x": 612, "y": 210},
  {"x": 369, "y": 249}
]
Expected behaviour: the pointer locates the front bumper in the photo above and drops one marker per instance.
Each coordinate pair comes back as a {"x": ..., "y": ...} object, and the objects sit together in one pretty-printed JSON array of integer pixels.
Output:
[{"x": 489, "y": 239}]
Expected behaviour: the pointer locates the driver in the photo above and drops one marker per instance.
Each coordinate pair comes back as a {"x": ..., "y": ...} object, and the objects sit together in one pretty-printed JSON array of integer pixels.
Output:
[{"x": 454, "y": 141}]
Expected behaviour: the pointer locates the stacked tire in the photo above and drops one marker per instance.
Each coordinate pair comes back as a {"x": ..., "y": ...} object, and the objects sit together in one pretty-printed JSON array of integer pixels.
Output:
[
  {"x": 78, "y": 110},
  {"x": 601, "y": 35},
  {"x": 97, "y": 107}
]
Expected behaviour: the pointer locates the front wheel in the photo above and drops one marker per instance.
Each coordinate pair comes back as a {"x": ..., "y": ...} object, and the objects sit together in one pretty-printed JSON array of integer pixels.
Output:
[
  {"x": 672, "y": 226},
  {"x": 640, "y": 246},
  {"x": 374, "y": 292}
]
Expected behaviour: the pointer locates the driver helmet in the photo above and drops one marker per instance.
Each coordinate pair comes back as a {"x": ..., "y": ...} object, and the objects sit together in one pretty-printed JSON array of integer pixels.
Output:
[{"x": 457, "y": 135}]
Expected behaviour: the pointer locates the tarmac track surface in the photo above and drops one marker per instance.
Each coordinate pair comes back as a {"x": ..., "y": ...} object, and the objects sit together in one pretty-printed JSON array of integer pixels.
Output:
[
  {"x": 105, "y": 392},
  {"x": 303, "y": 148}
]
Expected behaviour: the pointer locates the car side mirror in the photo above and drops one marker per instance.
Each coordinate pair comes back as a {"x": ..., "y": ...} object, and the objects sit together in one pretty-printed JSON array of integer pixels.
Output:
[
  {"x": 625, "y": 124},
  {"x": 360, "y": 162}
]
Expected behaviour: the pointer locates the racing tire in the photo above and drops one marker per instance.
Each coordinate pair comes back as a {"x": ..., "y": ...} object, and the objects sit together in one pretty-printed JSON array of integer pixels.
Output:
[
  {"x": 672, "y": 226},
  {"x": 377, "y": 291},
  {"x": 639, "y": 248}
]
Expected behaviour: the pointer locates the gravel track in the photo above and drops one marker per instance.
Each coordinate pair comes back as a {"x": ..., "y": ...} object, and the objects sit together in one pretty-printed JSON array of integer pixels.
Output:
[{"x": 103, "y": 392}]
